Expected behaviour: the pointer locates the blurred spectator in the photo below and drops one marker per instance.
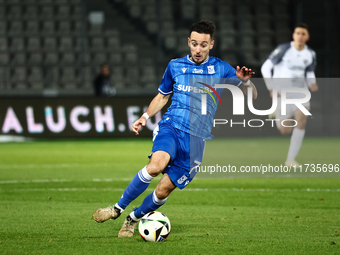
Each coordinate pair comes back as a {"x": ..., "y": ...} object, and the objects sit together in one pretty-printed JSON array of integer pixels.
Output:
[{"x": 102, "y": 84}]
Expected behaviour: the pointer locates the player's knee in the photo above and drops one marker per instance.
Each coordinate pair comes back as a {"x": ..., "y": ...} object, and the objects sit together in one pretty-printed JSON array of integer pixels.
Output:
[
  {"x": 301, "y": 120},
  {"x": 301, "y": 123},
  {"x": 154, "y": 168},
  {"x": 161, "y": 193},
  {"x": 286, "y": 130}
]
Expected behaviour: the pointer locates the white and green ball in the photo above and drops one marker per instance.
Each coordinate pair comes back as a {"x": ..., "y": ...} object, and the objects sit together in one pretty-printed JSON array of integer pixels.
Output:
[{"x": 154, "y": 227}]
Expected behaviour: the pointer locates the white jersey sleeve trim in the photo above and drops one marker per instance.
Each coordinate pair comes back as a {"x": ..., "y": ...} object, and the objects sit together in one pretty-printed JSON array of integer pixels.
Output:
[{"x": 164, "y": 93}]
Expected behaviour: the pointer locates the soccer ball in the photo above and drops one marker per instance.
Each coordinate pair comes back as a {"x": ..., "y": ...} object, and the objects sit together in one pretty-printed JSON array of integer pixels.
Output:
[{"x": 154, "y": 227}]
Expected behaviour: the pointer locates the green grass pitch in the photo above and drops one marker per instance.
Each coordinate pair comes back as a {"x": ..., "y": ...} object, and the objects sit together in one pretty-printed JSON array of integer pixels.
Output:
[{"x": 50, "y": 189}]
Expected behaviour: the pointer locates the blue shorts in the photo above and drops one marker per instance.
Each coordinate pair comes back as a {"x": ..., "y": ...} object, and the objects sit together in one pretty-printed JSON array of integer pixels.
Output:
[{"x": 186, "y": 153}]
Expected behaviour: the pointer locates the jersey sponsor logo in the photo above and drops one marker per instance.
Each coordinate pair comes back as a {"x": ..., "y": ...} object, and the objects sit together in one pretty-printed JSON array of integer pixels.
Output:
[
  {"x": 192, "y": 89},
  {"x": 182, "y": 179},
  {"x": 200, "y": 71},
  {"x": 184, "y": 69},
  {"x": 211, "y": 69},
  {"x": 213, "y": 90}
]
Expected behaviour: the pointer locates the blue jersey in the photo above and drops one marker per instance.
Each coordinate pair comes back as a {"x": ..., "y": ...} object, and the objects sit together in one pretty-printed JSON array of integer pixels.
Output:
[{"x": 186, "y": 81}]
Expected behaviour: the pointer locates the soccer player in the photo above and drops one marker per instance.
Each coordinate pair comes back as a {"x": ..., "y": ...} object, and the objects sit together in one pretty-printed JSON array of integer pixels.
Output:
[
  {"x": 296, "y": 61},
  {"x": 179, "y": 139}
]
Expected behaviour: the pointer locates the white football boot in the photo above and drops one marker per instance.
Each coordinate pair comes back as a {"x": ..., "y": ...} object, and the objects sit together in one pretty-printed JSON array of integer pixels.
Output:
[
  {"x": 108, "y": 213},
  {"x": 292, "y": 163},
  {"x": 128, "y": 227}
]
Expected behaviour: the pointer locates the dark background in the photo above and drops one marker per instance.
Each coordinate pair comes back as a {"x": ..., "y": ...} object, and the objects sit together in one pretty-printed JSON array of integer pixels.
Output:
[{"x": 51, "y": 50}]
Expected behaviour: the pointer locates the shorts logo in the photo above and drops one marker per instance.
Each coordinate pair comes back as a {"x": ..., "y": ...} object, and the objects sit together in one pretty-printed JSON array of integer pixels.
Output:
[
  {"x": 186, "y": 183},
  {"x": 211, "y": 70},
  {"x": 182, "y": 179}
]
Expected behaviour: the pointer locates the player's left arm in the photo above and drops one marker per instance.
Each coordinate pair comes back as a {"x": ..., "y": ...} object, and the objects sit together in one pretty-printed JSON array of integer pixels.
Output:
[
  {"x": 311, "y": 80},
  {"x": 244, "y": 74},
  {"x": 310, "y": 75}
]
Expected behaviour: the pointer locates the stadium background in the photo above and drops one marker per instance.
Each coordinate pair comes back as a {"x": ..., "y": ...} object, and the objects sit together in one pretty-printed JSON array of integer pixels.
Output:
[
  {"x": 50, "y": 52},
  {"x": 52, "y": 49}
]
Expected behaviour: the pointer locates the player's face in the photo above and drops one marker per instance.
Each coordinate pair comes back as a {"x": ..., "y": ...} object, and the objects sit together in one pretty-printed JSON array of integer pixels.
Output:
[
  {"x": 200, "y": 45},
  {"x": 300, "y": 35}
]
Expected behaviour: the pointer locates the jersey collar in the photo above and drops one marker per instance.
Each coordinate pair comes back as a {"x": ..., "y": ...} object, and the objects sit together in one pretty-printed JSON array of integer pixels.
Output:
[
  {"x": 292, "y": 45},
  {"x": 188, "y": 57}
]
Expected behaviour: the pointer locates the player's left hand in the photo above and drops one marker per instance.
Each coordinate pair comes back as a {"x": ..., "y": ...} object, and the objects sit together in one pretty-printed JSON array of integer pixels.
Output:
[
  {"x": 244, "y": 74},
  {"x": 314, "y": 87}
]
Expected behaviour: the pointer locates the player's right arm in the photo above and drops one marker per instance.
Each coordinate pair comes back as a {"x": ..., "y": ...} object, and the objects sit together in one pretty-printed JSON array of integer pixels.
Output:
[
  {"x": 155, "y": 106},
  {"x": 159, "y": 101}
]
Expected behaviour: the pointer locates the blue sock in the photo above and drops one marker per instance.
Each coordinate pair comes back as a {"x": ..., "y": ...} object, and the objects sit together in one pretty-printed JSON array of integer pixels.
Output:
[
  {"x": 150, "y": 203},
  {"x": 136, "y": 187}
]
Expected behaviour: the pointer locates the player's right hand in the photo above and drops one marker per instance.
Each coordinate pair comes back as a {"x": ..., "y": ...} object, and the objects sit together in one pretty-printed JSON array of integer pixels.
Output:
[{"x": 138, "y": 124}]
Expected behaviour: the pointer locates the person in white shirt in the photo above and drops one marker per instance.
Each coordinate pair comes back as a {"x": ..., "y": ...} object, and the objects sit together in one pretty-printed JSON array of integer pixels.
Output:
[{"x": 295, "y": 62}]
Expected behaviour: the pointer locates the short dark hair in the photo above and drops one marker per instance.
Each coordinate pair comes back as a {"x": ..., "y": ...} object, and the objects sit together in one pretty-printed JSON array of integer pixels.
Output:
[
  {"x": 303, "y": 25},
  {"x": 203, "y": 27}
]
